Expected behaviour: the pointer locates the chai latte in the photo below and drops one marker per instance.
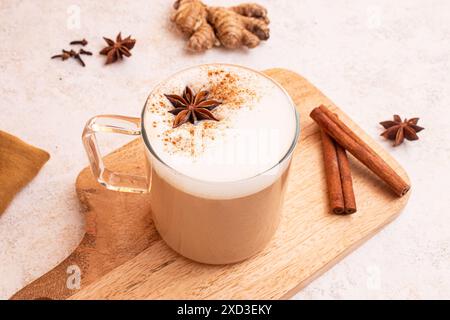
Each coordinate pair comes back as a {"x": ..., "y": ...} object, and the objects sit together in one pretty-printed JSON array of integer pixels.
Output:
[{"x": 217, "y": 186}]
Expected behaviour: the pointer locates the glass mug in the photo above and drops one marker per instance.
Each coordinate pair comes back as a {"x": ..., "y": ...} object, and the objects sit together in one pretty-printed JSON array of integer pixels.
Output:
[{"x": 233, "y": 222}]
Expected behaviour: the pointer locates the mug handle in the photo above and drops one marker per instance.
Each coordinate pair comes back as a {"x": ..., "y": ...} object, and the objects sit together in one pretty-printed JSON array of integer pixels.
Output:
[{"x": 112, "y": 180}]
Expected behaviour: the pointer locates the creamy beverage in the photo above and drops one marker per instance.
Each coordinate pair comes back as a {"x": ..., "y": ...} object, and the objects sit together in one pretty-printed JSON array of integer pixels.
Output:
[
  {"x": 217, "y": 186},
  {"x": 218, "y": 142}
]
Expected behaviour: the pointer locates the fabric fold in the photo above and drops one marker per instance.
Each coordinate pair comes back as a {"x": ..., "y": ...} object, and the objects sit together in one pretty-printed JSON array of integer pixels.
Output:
[{"x": 19, "y": 164}]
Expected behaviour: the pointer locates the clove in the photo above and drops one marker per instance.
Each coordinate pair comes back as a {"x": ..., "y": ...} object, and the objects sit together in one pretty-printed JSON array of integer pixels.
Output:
[
  {"x": 82, "y": 42},
  {"x": 85, "y": 52},
  {"x": 77, "y": 56},
  {"x": 66, "y": 54}
]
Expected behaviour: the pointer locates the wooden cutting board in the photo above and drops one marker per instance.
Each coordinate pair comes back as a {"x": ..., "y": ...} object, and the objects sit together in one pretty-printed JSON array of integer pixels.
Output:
[{"x": 122, "y": 256}]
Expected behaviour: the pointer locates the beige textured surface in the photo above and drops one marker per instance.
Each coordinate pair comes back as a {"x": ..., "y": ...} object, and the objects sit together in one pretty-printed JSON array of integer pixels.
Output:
[{"x": 371, "y": 58}]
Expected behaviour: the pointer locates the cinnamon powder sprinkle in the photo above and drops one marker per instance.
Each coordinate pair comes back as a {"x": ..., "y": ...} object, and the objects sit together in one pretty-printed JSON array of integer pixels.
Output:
[
  {"x": 192, "y": 140},
  {"x": 226, "y": 88}
]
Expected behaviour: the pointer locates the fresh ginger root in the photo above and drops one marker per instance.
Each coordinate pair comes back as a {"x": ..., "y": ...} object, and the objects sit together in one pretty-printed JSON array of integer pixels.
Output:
[
  {"x": 252, "y": 10},
  {"x": 246, "y": 25},
  {"x": 191, "y": 19},
  {"x": 243, "y": 25}
]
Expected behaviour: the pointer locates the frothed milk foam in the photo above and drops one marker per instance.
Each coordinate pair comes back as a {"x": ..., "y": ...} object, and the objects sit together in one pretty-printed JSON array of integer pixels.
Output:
[
  {"x": 217, "y": 187},
  {"x": 257, "y": 128}
]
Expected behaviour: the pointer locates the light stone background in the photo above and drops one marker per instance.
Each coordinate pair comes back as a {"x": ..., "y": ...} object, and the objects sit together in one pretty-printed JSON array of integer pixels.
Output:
[{"x": 372, "y": 58}]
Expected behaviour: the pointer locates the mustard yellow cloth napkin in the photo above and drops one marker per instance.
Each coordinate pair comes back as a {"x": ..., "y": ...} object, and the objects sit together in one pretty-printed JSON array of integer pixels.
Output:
[{"x": 19, "y": 164}]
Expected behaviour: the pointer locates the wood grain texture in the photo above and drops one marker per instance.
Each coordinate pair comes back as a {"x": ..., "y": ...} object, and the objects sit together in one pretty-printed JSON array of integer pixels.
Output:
[
  {"x": 113, "y": 236},
  {"x": 309, "y": 241},
  {"x": 123, "y": 257}
]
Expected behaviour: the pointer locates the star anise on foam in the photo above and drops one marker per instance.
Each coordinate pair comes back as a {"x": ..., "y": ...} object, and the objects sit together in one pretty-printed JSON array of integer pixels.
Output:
[
  {"x": 192, "y": 107},
  {"x": 398, "y": 130},
  {"x": 116, "y": 50}
]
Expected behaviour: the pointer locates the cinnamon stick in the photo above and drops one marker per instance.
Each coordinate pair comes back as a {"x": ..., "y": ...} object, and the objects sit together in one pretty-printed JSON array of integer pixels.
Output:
[
  {"x": 344, "y": 136},
  {"x": 346, "y": 180},
  {"x": 332, "y": 174},
  {"x": 338, "y": 175}
]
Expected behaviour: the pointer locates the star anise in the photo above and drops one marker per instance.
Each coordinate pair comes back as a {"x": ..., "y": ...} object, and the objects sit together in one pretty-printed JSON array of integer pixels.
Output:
[
  {"x": 192, "y": 107},
  {"x": 398, "y": 130},
  {"x": 116, "y": 50}
]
